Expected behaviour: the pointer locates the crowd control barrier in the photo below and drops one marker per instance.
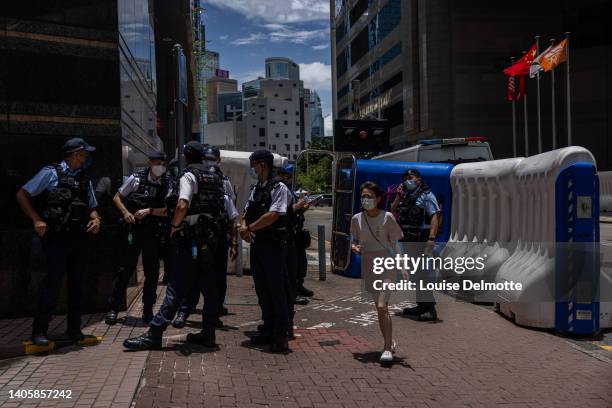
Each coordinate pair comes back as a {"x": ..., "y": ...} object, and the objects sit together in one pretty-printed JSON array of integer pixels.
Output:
[
  {"x": 351, "y": 173},
  {"x": 605, "y": 191},
  {"x": 536, "y": 221}
]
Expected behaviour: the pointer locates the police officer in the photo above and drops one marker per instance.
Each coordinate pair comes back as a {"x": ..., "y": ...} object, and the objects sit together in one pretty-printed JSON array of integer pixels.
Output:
[
  {"x": 418, "y": 212},
  {"x": 197, "y": 226},
  {"x": 141, "y": 201},
  {"x": 61, "y": 203},
  {"x": 264, "y": 225},
  {"x": 211, "y": 159}
]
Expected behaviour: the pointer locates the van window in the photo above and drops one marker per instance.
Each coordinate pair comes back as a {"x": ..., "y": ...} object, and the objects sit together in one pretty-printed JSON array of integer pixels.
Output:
[
  {"x": 436, "y": 154},
  {"x": 472, "y": 153}
]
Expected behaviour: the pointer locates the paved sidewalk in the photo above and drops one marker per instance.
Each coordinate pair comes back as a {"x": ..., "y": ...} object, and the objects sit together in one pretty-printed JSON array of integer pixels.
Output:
[{"x": 472, "y": 358}]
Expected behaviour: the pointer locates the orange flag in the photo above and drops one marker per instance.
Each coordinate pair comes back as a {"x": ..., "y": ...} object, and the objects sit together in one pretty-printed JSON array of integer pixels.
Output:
[{"x": 555, "y": 56}]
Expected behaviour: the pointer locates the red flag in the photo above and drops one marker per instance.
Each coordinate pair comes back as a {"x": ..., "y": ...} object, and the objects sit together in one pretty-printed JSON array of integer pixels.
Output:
[
  {"x": 521, "y": 67},
  {"x": 516, "y": 92}
]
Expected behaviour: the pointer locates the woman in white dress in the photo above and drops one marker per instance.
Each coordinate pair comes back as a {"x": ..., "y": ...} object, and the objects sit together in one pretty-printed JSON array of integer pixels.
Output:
[{"x": 375, "y": 233}]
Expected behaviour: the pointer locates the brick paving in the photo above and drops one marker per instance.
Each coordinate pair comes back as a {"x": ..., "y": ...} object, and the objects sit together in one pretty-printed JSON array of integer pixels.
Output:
[{"x": 472, "y": 358}]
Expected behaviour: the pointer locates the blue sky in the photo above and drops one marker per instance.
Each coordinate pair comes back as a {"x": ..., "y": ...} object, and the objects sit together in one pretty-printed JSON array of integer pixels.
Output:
[{"x": 246, "y": 32}]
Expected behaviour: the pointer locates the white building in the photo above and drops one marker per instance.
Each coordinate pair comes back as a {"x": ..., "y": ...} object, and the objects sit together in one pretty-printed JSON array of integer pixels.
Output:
[{"x": 278, "y": 118}]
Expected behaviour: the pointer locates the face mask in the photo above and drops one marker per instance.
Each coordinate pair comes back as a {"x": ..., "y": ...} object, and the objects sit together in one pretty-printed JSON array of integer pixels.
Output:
[
  {"x": 253, "y": 173},
  {"x": 158, "y": 170},
  {"x": 368, "y": 203},
  {"x": 209, "y": 163},
  {"x": 410, "y": 185}
]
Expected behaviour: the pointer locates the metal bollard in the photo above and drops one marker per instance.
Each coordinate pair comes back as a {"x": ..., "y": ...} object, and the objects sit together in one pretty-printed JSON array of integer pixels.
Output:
[
  {"x": 239, "y": 256},
  {"x": 322, "y": 257}
]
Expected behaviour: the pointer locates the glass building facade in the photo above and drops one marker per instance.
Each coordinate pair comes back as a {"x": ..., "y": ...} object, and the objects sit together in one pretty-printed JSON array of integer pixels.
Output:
[
  {"x": 282, "y": 68},
  {"x": 316, "y": 115},
  {"x": 137, "y": 82},
  {"x": 229, "y": 105}
]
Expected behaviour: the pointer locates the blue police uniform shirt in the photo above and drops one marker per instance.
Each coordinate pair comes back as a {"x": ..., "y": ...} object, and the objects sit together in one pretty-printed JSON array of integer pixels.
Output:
[
  {"x": 429, "y": 203},
  {"x": 47, "y": 179}
]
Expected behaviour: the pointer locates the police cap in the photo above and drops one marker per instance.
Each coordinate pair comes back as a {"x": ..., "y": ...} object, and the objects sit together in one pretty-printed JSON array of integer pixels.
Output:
[
  {"x": 194, "y": 149},
  {"x": 157, "y": 155},
  {"x": 412, "y": 172},
  {"x": 209, "y": 154},
  {"x": 75, "y": 144},
  {"x": 262, "y": 155}
]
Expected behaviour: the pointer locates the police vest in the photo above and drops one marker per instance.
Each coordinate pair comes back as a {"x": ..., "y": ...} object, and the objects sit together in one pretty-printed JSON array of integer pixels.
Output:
[
  {"x": 412, "y": 218},
  {"x": 210, "y": 198},
  {"x": 259, "y": 204},
  {"x": 148, "y": 194},
  {"x": 291, "y": 216},
  {"x": 65, "y": 207}
]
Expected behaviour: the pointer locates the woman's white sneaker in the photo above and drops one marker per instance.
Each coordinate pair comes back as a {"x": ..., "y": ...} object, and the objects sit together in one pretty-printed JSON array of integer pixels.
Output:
[{"x": 386, "y": 356}]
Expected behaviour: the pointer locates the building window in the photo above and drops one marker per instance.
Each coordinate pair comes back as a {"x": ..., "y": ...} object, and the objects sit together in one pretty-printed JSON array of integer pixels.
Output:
[
  {"x": 297, "y": 147},
  {"x": 295, "y": 85},
  {"x": 297, "y": 123},
  {"x": 254, "y": 144},
  {"x": 262, "y": 131},
  {"x": 276, "y": 95},
  {"x": 273, "y": 122},
  {"x": 280, "y": 85},
  {"x": 297, "y": 136},
  {"x": 273, "y": 147},
  {"x": 285, "y": 122},
  {"x": 285, "y": 111},
  {"x": 277, "y": 135},
  {"x": 262, "y": 106},
  {"x": 262, "y": 118},
  {"x": 288, "y": 147},
  {"x": 262, "y": 144},
  {"x": 286, "y": 136},
  {"x": 254, "y": 125},
  {"x": 294, "y": 156},
  {"x": 272, "y": 110},
  {"x": 297, "y": 113},
  {"x": 357, "y": 11}
]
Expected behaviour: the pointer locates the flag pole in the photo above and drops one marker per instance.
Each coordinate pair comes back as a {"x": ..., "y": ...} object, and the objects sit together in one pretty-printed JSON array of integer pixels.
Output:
[
  {"x": 537, "y": 41},
  {"x": 525, "y": 120},
  {"x": 569, "y": 104},
  {"x": 513, "y": 115},
  {"x": 554, "y": 109}
]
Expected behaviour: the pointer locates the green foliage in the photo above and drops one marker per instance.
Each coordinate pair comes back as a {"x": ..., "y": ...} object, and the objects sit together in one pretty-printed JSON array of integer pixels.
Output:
[{"x": 314, "y": 170}]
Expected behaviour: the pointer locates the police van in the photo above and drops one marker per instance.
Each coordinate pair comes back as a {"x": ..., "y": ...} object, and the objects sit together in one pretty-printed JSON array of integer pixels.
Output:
[{"x": 454, "y": 151}]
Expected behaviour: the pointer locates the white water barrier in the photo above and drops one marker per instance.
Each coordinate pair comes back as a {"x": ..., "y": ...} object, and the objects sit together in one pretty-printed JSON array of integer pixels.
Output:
[
  {"x": 536, "y": 222},
  {"x": 605, "y": 191}
]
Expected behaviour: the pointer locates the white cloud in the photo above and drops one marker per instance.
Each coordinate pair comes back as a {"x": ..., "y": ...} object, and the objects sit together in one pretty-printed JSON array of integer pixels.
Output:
[
  {"x": 253, "y": 38},
  {"x": 248, "y": 76},
  {"x": 278, "y": 11},
  {"x": 223, "y": 37},
  {"x": 320, "y": 47},
  {"x": 316, "y": 75},
  {"x": 328, "y": 125},
  {"x": 282, "y": 33}
]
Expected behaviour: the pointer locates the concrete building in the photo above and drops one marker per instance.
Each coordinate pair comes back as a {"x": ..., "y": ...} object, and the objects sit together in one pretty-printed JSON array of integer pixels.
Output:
[
  {"x": 282, "y": 68},
  {"x": 317, "y": 128},
  {"x": 278, "y": 118},
  {"x": 434, "y": 69},
  {"x": 228, "y": 135},
  {"x": 214, "y": 87}
]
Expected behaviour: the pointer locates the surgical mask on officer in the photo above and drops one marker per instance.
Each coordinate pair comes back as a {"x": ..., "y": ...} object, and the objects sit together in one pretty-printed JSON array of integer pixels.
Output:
[
  {"x": 368, "y": 203},
  {"x": 158, "y": 170},
  {"x": 410, "y": 185}
]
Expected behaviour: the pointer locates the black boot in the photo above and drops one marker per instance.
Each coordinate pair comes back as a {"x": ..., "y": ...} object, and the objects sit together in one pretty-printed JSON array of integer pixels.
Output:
[
  {"x": 40, "y": 339},
  {"x": 305, "y": 291},
  {"x": 180, "y": 320},
  {"x": 204, "y": 338},
  {"x": 146, "y": 341},
  {"x": 111, "y": 317},
  {"x": 75, "y": 335},
  {"x": 279, "y": 345}
]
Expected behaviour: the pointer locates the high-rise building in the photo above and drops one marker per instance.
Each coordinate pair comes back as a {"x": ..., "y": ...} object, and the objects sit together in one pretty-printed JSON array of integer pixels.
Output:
[
  {"x": 277, "y": 118},
  {"x": 229, "y": 106},
  {"x": 215, "y": 86},
  {"x": 282, "y": 68},
  {"x": 434, "y": 69},
  {"x": 316, "y": 115}
]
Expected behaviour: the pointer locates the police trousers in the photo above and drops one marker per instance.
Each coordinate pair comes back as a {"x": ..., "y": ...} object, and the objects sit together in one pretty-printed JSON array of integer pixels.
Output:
[
  {"x": 66, "y": 255},
  {"x": 146, "y": 240},
  {"x": 218, "y": 267},
  {"x": 292, "y": 271},
  {"x": 188, "y": 271},
  {"x": 269, "y": 269}
]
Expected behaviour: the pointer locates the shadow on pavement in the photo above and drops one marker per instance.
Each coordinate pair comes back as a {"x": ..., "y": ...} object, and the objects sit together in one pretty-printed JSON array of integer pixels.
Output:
[{"x": 373, "y": 357}]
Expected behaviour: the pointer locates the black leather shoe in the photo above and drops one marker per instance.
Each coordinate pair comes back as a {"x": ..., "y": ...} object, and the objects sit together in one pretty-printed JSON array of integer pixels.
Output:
[
  {"x": 279, "y": 345},
  {"x": 301, "y": 300},
  {"x": 180, "y": 320},
  {"x": 147, "y": 315},
  {"x": 429, "y": 316},
  {"x": 146, "y": 341},
  {"x": 40, "y": 339},
  {"x": 111, "y": 317},
  {"x": 219, "y": 324},
  {"x": 261, "y": 339},
  {"x": 304, "y": 291},
  {"x": 75, "y": 335},
  {"x": 412, "y": 311},
  {"x": 204, "y": 338}
]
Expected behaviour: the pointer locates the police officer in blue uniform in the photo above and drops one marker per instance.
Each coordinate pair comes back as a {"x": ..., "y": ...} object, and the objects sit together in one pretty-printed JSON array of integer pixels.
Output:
[
  {"x": 198, "y": 223},
  {"x": 264, "y": 225},
  {"x": 418, "y": 212},
  {"x": 226, "y": 242},
  {"x": 61, "y": 203},
  {"x": 141, "y": 201}
]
